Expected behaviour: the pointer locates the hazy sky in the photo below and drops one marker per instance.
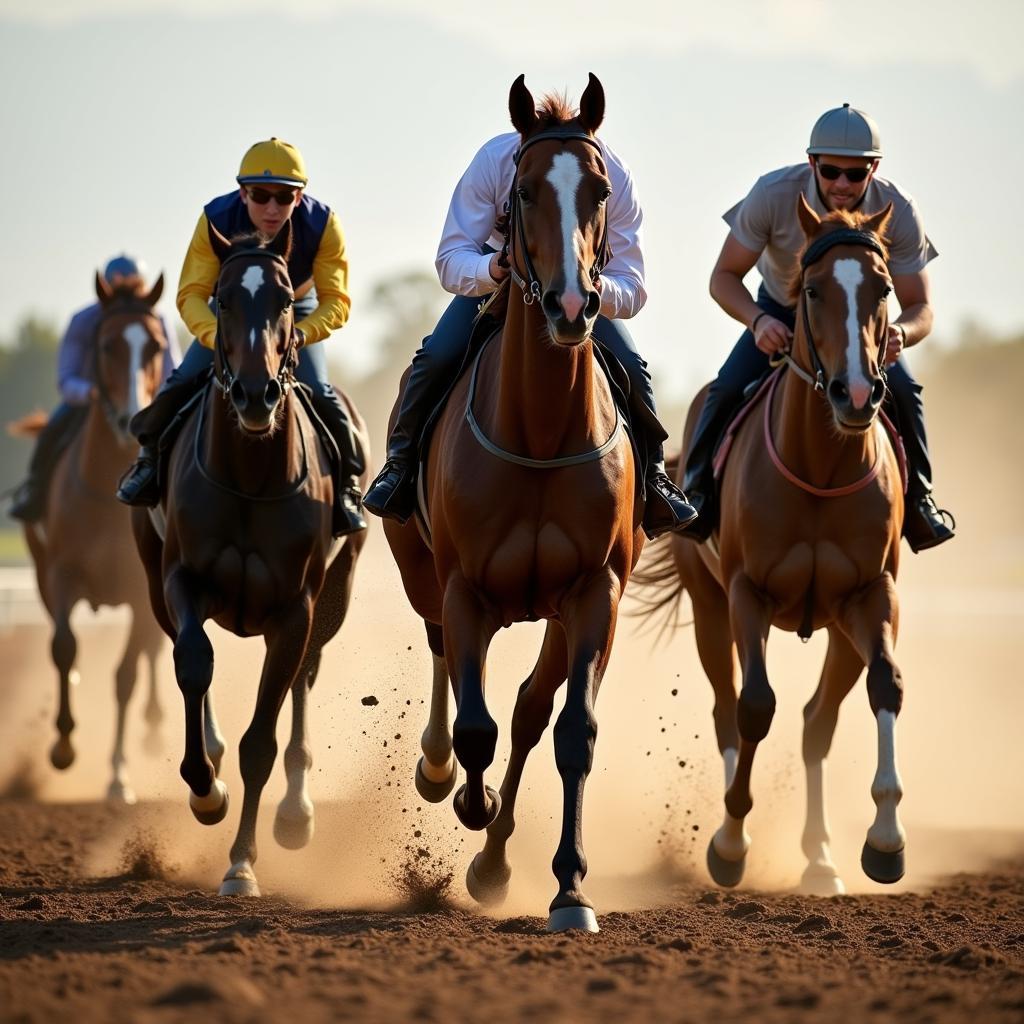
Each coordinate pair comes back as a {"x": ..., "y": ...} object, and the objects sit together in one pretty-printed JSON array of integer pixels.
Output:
[{"x": 121, "y": 118}]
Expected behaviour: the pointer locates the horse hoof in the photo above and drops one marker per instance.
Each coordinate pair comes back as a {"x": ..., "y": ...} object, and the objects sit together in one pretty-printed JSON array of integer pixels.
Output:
[
  {"x": 62, "y": 754},
  {"x": 818, "y": 880},
  {"x": 492, "y": 804},
  {"x": 579, "y": 919},
  {"x": 240, "y": 881},
  {"x": 435, "y": 792},
  {"x": 488, "y": 888},
  {"x": 210, "y": 809},
  {"x": 293, "y": 833},
  {"x": 727, "y": 873},
  {"x": 882, "y": 867},
  {"x": 121, "y": 793}
]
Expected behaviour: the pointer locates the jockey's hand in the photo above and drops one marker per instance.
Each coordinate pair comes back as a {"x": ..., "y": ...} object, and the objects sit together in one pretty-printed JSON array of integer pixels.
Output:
[
  {"x": 772, "y": 335},
  {"x": 498, "y": 273},
  {"x": 895, "y": 343}
]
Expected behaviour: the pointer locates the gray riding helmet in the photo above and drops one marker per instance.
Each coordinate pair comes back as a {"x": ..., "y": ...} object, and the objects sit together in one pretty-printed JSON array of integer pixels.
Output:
[{"x": 845, "y": 131}]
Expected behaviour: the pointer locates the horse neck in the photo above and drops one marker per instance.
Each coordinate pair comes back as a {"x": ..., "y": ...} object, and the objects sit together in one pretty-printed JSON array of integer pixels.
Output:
[
  {"x": 257, "y": 466},
  {"x": 99, "y": 457},
  {"x": 805, "y": 433},
  {"x": 546, "y": 403}
]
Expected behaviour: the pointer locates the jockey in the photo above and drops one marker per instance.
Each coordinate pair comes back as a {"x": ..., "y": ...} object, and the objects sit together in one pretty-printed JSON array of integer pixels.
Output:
[
  {"x": 468, "y": 266},
  {"x": 77, "y": 389},
  {"x": 271, "y": 180},
  {"x": 840, "y": 174}
]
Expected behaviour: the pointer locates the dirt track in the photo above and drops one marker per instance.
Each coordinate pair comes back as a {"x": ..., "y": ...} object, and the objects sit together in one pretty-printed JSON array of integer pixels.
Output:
[{"x": 136, "y": 946}]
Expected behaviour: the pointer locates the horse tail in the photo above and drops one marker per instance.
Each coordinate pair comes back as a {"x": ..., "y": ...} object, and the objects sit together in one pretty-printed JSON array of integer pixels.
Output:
[
  {"x": 30, "y": 425},
  {"x": 657, "y": 588}
]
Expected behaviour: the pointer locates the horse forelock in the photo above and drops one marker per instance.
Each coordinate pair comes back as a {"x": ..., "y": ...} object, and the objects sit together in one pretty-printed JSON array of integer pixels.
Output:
[
  {"x": 835, "y": 220},
  {"x": 555, "y": 110}
]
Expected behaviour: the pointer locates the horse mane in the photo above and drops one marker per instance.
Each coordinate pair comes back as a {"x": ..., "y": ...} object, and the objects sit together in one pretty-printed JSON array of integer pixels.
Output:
[{"x": 833, "y": 221}]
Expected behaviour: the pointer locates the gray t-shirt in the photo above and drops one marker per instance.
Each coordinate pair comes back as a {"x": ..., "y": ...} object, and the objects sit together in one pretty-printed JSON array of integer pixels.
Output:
[{"x": 766, "y": 221}]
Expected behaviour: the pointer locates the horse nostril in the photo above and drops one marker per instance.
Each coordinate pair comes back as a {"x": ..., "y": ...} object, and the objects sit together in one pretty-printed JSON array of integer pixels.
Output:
[
  {"x": 837, "y": 390},
  {"x": 593, "y": 306},
  {"x": 877, "y": 391},
  {"x": 551, "y": 306},
  {"x": 272, "y": 394},
  {"x": 238, "y": 395}
]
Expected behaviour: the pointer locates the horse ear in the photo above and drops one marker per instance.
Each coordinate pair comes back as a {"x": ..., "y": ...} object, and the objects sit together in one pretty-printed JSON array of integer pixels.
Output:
[
  {"x": 281, "y": 244},
  {"x": 521, "y": 107},
  {"x": 592, "y": 105},
  {"x": 103, "y": 290},
  {"x": 155, "y": 292},
  {"x": 220, "y": 245},
  {"x": 878, "y": 224},
  {"x": 809, "y": 220}
]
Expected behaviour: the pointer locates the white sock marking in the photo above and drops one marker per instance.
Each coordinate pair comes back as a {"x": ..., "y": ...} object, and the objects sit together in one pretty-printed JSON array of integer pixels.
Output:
[
  {"x": 886, "y": 834},
  {"x": 849, "y": 273},
  {"x": 565, "y": 177}
]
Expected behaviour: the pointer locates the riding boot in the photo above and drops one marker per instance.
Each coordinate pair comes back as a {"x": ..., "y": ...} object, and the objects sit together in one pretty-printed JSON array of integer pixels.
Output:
[
  {"x": 29, "y": 504},
  {"x": 155, "y": 427},
  {"x": 666, "y": 509},
  {"x": 925, "y": 525},
  {"x": 347, "y": 516}
]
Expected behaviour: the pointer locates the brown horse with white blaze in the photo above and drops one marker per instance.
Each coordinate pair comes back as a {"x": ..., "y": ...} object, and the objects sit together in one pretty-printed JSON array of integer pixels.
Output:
[
  {"x": 812, "y": 507},
  {"x": 82, "y": 548},
  {"x": 531, "y": 487},
  {"x": 243, "y": 537}
]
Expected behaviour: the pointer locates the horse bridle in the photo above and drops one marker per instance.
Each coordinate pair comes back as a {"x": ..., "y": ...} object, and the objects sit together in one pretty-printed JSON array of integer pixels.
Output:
[
  {"x": 223, "y": 376},
  {"x": 514, "y": 230},
  {"x": 812, "y": 254},
  {"x": 110, "y": 410}
]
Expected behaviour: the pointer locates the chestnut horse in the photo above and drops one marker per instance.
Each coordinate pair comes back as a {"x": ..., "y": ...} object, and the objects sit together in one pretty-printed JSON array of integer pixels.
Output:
[
  {"x": 82, "y": 548},
  {"x": 531, "y": 490},
  {"x": 812, "y": 508},
  {"x": 245, "y": 539}
]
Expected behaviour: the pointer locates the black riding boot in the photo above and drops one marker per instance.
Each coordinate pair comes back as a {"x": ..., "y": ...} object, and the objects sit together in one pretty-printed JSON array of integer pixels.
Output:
[
  {"x": 159, "y": 420},
  {"x": 29, "y": 503},
  {"x": 347, "y": 515}
]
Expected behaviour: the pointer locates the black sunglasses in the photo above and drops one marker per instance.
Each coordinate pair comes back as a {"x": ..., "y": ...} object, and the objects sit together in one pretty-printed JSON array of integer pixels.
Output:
[
  {"x": 262, "y": 196},
  {"x": 854, "y": 175}
]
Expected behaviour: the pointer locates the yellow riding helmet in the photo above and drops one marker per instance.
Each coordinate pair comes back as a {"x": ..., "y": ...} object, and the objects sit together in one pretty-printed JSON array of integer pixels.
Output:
[{"x": 273, "y": 163}]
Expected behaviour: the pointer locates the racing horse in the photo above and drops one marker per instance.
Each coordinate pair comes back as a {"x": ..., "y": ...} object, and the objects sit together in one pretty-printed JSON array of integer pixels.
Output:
[
  {"x": 82, "y": 547},
  {"x": 812, "y": 508},
  {"x": 530, "y": 489},
  {"x": 242, "y": 537}
]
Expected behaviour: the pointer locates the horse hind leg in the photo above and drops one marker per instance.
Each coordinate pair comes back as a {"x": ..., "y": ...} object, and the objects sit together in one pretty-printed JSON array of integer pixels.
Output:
[
  {"x": 120, "y": 790},
  {"x": 294, "y": 822},
  {"x": 839, "y": 674},
  {"x": 64, "y": 650},
  {"x": 152, "y": 739},
  {"x": 437, "y": 769},
  {"x": 489, "y": 872}
]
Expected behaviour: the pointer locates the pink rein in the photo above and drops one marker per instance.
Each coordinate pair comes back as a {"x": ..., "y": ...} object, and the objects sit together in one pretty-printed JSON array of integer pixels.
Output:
[{"x": 823, "y": 492}]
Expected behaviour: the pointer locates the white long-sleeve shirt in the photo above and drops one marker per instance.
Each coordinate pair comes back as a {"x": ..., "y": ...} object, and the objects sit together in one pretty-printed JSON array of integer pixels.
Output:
[{"x": 479, "y": 200}]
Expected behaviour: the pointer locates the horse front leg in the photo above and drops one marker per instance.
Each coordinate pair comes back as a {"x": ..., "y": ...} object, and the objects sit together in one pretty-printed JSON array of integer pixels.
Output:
[
  {"x": 119, "y": 790},
  {"x": 468, "y": 630},
  {"x": 871, "y": 619},
  {"x": 750, "y": 614},
  {"x": 193, "y": 667},
  {"x": 589, "y": 619},
  {"x": 294, "y": 822},
  {"x": 287, "y": 640},
  {"x": 64, "y": 594},
  {"x": 839, "y": 674},
  {"x": 437, "y": 769},
  {"x": 489, "y": 872},
  {"x": 152, "y": 740}
]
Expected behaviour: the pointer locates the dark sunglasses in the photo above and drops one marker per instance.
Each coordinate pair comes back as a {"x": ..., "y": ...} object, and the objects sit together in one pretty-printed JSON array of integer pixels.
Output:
[
  {"x": 854, "y": 175},
  {"x": 262, "y": 196}
]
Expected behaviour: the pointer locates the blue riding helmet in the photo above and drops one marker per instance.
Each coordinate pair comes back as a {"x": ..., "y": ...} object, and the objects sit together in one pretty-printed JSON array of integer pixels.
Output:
[{"x": 123, "y": 266}]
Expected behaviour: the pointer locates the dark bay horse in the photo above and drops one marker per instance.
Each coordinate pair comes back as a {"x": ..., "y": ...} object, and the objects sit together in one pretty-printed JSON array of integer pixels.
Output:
[
  {"x": 531, "y": 488},
  {"x": 245, "y": 540},
  {"x": 812, "y": 508},
  {"x": 82, "y": 548}
]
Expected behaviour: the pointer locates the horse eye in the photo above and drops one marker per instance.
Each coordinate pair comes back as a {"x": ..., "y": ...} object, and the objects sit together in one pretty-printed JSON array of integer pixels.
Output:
[
  {"x": 522, "y": 194},
  {"x": 810, "y": 292},
  {"x": 221, "y": 305},
  {"x": 605, "y": 196},
  {"x": 886, "y": 292}
]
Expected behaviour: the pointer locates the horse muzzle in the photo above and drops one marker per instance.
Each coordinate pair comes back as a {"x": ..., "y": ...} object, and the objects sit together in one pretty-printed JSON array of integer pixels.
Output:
[
  {"x": 256, "y": 404},
  {"x": 855, "y": 406},
  {"x": 570, "y": 316}
]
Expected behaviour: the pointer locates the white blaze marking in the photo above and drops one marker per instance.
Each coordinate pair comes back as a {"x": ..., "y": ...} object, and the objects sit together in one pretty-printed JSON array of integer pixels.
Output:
[
  {"x": 565, "y": 177},
  {"x": 886, "y": 834},
  {"x": 252, "y": 279},
  {"x": 136, "y": 336},
  {"x": 252, "y": 337},
  {"x": 849, "y": 273}
]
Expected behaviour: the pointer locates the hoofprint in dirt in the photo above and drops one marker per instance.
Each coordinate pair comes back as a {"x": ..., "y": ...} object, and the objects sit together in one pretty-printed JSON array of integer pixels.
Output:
[{"x": 142, "y": 945}]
